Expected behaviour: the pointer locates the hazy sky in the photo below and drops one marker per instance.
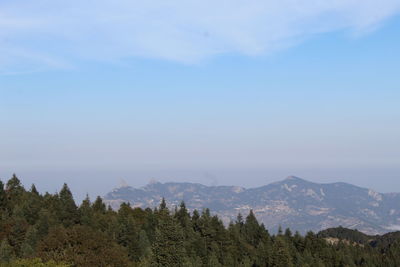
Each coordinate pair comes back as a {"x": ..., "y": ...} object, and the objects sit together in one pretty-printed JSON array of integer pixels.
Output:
[{"x": 217, "y": 92}]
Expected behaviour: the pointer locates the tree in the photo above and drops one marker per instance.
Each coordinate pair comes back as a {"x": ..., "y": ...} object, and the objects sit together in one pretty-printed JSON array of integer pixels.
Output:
[
  {"x": 68, "y": 211},
  {"x": 183, "y": 216},
  {"x": 144, "y": 246},
  {"x": 280, "y": 253},
  {"x": 34, "y": 190},
  {"x": 14, "y": 185},
  {"x": 163, "y": 205},
  {"x": 263, "y": 254},
  {"x": 127, "y": 232},
  {"x": 17, "y": 231},
  {"x": 99, "y": 206},
  {"x": 3, "y": 198},
  {"x": 252, "y": 229},
  {"x": 31, "y": 205},
  {"x": 85, "y": 211},
  {"x": 168, "y": 248},
  {"x": 14, "y": 191}
]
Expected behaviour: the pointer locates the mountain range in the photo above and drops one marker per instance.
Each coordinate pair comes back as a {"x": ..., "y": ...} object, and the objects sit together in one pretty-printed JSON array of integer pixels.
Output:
[{"x": 293, "y": 202}]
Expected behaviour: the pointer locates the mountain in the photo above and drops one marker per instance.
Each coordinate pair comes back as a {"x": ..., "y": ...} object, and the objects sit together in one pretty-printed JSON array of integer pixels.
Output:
[{"x": 294, "y": 202}]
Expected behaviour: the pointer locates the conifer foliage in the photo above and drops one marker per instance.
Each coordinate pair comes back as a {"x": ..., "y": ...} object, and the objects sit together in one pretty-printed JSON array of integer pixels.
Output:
[{"x": 51, "y": 230}]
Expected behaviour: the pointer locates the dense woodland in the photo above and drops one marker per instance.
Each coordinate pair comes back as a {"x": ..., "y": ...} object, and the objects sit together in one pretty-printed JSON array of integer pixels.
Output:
[{"x": 51, "y": 230}]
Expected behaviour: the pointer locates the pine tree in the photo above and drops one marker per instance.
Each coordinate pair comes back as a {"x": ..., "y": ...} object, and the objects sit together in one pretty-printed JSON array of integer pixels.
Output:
[
  {"x": 127, "y": 232},
  {"x": 262, "y": 257},
  {"x": 86, "y": 212},
  {"x": 183, "y": 216},
  {"x": 14, "y": 185},
  {"x": 18, "y": 229},
  {"x": 280, "y": 231},
  {"x": 288, "y": 233},
  {"x": 168, "y": 248},
  {"x": 68, "y": 211},
  {"x": 3, "y": 197},
  {"x": 14, "y": 191},
  {"x": 31, "y": 205},
  {"x": 34, "y": 190},
  {"x": 99, "y": 206},
  {"x": 280, "y": 253},
  {"x": 252, "y": 229},
  {"x": 144, "y": 246},
  {"x": 163, "y": 205}
]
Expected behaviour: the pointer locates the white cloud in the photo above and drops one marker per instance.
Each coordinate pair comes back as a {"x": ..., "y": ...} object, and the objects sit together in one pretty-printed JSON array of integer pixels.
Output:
[{"x": 36, "y": 34}]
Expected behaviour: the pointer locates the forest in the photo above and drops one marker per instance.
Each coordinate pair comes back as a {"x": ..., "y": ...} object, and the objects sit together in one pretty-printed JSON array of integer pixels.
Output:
[{"x": 52, "y": 230}]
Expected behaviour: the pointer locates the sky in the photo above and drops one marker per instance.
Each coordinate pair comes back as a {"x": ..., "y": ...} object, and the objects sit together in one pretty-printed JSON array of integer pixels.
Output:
[{"x": 94, "y": 93}]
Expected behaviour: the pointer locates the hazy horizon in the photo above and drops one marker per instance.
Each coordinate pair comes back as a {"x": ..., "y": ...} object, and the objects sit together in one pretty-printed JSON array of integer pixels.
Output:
[{"x": 87, "y": 182}]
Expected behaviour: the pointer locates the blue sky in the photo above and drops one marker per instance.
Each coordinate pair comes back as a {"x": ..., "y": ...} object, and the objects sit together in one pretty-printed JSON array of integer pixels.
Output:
[{"x": 227, "y": 93}]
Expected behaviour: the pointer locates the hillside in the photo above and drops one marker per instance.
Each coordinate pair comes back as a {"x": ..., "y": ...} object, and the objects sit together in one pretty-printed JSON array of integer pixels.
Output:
[{"x": 292, "y": 202}]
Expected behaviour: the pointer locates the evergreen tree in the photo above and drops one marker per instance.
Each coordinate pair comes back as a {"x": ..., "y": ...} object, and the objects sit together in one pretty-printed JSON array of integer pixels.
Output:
[
  {"x": 280, "y": 253},
  {"x": 34, "y": 190},
  {"x": 85, "y": 211},
  {"x": 144, "y": 246},
  {"x": 99, "y": 206},
  {"x": 127, "y": 233},
  {"x": 17, "y": 231},
  {"x": 14, "y": 185},
  {"x": 68, "y": 211},
  {"x": 3, "y": 198},
  {"x": 31, "y": 205},
  {"x": 168, "y": 248},
  {"x": 262, "y": 257},
  {"x": 252, "y": 230},
  {"x": 163, "y": 205},
  {"x": 183, "y": 216},
  {"x": 14, "y": 191}
]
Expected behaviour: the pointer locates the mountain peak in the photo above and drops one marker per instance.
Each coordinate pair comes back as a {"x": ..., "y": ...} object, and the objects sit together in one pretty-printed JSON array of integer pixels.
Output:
[{"x": 293, "y": 178}]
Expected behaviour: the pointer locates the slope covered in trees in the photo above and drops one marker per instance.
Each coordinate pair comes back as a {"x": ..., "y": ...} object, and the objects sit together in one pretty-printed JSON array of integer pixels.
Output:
[
  {"x": 381, "y": 242},
  {"x": 51, "y": 230}
]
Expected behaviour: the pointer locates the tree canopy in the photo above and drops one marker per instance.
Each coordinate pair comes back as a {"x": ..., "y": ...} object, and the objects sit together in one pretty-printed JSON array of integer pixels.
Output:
[{"x": 52, "y": 230}]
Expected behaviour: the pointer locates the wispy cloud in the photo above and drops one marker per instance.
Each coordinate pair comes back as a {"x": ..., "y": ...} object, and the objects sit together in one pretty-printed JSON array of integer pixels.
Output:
[{"x": 36, "y": 34}]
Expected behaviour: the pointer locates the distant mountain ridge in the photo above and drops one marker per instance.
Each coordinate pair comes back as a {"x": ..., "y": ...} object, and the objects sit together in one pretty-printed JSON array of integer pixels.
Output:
[{"x": 292, "y": 202}]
